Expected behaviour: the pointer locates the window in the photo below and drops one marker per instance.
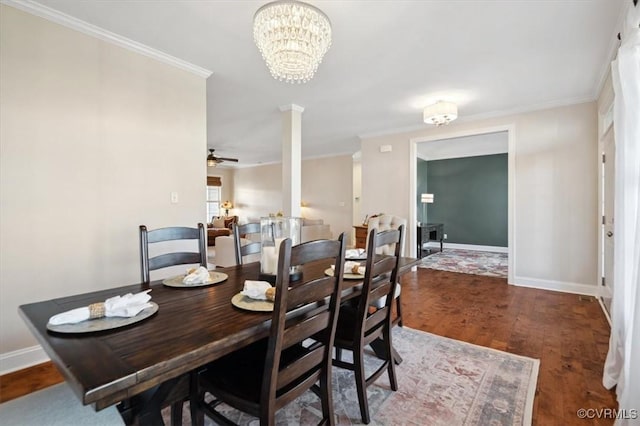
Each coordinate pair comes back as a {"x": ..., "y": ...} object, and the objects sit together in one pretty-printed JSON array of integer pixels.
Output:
[{"x": 214, "y": 185}]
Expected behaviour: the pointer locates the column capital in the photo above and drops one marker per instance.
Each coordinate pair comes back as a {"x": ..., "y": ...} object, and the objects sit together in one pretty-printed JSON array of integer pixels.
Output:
[{"x": 291, "y": 107}]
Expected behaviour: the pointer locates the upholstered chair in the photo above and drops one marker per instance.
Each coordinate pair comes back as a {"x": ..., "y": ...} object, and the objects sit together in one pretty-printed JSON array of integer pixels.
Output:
[{"x": 383, "y": 223}]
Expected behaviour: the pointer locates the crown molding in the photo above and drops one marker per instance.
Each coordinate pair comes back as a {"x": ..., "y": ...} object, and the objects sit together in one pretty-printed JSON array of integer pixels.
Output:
[
  {"x": 558, "y": 103},
  {"x": 68, "y": 21}
]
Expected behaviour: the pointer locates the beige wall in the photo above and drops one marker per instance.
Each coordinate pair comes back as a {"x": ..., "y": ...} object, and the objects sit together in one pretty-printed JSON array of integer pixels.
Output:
[
  {"x": 226, "y": 176},
  {"x": 257, "y": 191},
  {"x": 326, "y": 188},
  {"x": 93, "y": 140},
  {"x": 555, "y": 223}
]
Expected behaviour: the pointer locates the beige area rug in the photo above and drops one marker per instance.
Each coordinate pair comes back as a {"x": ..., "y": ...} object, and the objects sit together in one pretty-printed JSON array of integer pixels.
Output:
[{"x": 441, "y": 382}]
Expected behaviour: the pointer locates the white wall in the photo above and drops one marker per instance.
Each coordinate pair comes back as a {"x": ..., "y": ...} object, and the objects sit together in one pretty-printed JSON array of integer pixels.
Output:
[
  {"x": 93, "y": 139},
  {"x": 326, "y": 184},
  {"x": 555, "y": 190}
]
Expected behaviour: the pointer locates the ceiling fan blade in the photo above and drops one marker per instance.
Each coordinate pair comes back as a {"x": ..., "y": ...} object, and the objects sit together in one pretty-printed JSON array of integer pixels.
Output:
[{"x": 235, "y": 160}]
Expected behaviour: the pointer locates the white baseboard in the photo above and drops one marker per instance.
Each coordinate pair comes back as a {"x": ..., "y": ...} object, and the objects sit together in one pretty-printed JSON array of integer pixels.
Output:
[
  {"x": 472, "y": 247},
  {"x": 22, "y": 358},
  {"x": 564, "y": 287},
  {"x": 604, "y": 311}
]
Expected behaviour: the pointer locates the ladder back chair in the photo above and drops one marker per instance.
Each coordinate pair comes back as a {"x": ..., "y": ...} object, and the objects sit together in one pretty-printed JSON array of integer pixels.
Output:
[
  {"x": 165, "y": 260},
  {"x": 267, "y": 375},
  {"x": 358, "y": 327},
  {"x": 382, "y": 223},
  {"x": 240, "y": 232}
]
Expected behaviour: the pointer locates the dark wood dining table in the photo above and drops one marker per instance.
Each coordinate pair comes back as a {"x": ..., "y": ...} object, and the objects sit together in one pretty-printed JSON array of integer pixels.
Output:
[{"x": 192, "y": 327}]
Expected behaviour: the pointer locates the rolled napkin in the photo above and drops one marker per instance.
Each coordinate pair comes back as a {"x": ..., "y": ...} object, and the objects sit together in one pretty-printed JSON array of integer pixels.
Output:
[
  {"x": 354, "y": 253},
  {"x": 352, "y": 268},
  {"x": 128, "y": 305},
  {"x": 259, "y": 290},
  {"x": 197, "y": 276}
]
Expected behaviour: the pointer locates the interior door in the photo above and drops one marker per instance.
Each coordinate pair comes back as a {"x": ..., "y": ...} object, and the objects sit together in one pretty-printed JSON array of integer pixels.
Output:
[{"x": 608, "y": 190}]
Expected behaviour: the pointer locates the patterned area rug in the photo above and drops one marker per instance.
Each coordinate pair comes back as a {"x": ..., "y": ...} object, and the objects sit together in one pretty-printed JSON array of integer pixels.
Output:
[
  {"x": 440, "y": 382},
  {"x": 468, "y": 262}
]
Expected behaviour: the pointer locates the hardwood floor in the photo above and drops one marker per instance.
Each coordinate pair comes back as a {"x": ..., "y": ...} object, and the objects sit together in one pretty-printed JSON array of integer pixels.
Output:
[
  {"x": 567, "y": 332},
  {"x": 22, "y": 382}
]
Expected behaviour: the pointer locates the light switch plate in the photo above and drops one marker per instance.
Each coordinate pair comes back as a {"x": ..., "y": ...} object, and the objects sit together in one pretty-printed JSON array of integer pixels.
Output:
[{"x": 174, "y": 198}]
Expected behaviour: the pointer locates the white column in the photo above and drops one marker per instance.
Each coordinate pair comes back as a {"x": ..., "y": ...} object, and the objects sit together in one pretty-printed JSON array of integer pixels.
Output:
[{"x": 291, "y": 159}]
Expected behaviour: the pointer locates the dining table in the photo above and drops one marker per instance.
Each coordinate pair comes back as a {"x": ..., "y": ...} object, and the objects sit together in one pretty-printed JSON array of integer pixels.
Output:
[{"x": 144, "y": 365}]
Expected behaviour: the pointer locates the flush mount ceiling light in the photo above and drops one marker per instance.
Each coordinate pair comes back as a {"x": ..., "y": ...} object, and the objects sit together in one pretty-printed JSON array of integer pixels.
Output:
[
  {"x": 293, "y": 38},
  {"x": 440, "y": 113}
]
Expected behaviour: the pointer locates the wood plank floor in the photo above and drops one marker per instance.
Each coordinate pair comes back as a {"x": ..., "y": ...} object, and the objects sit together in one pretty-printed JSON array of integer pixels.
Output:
[{"x": 568, "y": 333}]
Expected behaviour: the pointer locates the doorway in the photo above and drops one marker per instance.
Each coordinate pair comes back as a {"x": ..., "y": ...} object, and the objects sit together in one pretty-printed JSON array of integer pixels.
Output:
[
  {"x": 607, "y": 171},
  {"x": 414, "y": 210}
]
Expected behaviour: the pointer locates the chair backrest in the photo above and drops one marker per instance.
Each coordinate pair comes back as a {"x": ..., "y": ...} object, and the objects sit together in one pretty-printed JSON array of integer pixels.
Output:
[
  {"x": 305, "y": 308},
  {"x": 164, "y": 260},
  {"x": 380, "y": 281},
  {"x": 253, "y": 247},
  {"x": 383, "y": 223}
]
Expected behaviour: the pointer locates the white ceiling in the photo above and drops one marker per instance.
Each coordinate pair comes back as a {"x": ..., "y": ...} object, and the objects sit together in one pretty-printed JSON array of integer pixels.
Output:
[{"x": 387, "y": 61}]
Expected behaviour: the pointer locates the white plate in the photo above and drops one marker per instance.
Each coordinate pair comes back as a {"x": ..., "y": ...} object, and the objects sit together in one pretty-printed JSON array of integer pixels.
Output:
[
  {"x": 214, "y": 278},
  {"x": 104, "y": 323},
  {"x": 346, "y": 276},
  {"x": 243, "y": 302}
]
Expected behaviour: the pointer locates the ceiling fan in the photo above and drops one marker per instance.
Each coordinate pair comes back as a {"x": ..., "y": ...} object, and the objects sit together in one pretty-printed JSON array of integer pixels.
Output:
[{"x": 213, "y": 160}]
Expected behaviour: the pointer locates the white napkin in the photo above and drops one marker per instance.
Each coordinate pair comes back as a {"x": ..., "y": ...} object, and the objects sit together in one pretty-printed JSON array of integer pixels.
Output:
[
  {"x": 199, "y": 276},
  {"x": 353, "y": 253},
  {"x": 256, "y": 289},
  {"x": 128, "y": 305},
  {"x": 349, "y": 268}
]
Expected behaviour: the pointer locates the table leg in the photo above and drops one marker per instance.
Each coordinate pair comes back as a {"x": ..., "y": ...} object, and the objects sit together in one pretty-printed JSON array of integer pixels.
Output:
[
  {"x": 145, "y": 409},
  {"x": 380, "y": 351}
]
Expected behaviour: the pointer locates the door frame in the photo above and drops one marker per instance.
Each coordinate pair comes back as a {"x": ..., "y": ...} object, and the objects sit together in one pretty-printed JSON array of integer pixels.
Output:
[
  {"x": 605, "y": 134},
  {"x": 511, "y": 216}
]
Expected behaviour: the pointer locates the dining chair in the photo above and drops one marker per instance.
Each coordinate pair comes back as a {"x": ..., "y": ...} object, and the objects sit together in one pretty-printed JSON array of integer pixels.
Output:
[
  {"x": 265, "y": 376},
  {"x": 165, "y": 260},
  {"x": 359, "y": 327},
  {"x": 382, "y": 223},
  {"x": 241, "y": 232}
]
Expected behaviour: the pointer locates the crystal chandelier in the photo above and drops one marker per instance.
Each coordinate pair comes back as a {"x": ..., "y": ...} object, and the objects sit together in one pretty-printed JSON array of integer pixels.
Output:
[
  {"x": 292, "y": 37},
  {"x": 440, "y": 113}
]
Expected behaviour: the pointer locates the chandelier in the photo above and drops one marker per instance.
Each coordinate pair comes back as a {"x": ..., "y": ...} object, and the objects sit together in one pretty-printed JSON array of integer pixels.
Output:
[
  {"x": 292, "y": 37},
  {"x": 440, "y": 113}
]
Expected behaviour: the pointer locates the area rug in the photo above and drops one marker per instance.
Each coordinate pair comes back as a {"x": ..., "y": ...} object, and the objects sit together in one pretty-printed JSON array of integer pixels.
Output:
[
  {"x": 440, "y": 382},
  {"x": 468, "y": 262}
]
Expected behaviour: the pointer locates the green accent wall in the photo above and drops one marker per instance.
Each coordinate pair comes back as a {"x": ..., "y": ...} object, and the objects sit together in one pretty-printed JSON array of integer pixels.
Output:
[{"x": 470, "y": 198}]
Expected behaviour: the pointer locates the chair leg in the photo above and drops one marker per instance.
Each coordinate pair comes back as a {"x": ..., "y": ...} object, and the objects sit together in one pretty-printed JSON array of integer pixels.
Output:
[
  {"x": 176, "y": 413},
  {"x": 361, "y": 384},
  {"x": 399, "y": 310},
  {"x": 326, "y": 399},
  {"x": 391, "y": 365}
]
